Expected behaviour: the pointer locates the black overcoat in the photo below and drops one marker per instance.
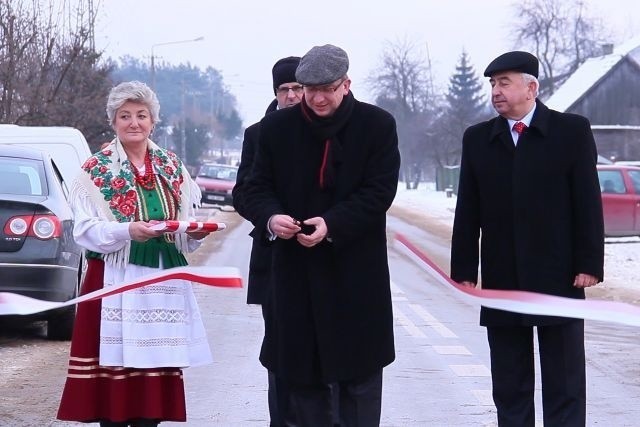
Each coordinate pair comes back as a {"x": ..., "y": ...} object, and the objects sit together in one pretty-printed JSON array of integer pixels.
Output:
[
  {"x": 537, "y": 207},
  {"x": 260, "y": 259},
  {"x": 329, "y": 315}
]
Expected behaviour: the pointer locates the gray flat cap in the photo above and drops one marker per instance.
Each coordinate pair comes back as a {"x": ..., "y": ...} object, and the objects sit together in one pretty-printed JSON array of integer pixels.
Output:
[{"x": 322, "y": 65}]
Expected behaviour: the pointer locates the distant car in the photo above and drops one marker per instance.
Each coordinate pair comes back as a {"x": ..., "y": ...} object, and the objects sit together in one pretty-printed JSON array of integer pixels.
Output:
[
  {"x": 620, "y": 187},
  {"x": 216, "y": 182},
  {"x": 38, "y": 256}
]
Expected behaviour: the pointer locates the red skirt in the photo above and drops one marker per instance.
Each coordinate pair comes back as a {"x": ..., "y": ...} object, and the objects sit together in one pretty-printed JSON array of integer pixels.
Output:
[{"x": 93, "y": 392}]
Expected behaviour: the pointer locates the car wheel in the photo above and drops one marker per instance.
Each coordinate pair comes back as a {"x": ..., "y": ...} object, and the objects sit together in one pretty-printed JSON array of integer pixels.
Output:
[{"x": 60, "y": 324}]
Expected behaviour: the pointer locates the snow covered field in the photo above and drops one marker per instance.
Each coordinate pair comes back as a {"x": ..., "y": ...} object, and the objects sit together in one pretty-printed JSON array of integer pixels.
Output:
[{"x": 622, "y": 255}]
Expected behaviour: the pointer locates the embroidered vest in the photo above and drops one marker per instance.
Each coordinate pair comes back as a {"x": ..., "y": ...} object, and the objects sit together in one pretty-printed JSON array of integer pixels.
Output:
[
  {"x": 156, "y": 204},
  {"x": 109, "y": 172}
]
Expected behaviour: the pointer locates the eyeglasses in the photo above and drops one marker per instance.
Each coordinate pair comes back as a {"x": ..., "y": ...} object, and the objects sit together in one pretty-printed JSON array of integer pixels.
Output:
[
  {"x": 284, "y": 90},
  {"x": 325, "y": 90}
]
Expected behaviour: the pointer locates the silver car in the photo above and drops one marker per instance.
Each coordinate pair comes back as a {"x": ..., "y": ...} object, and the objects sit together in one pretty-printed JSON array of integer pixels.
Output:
[{"x": 38, "y": 255}]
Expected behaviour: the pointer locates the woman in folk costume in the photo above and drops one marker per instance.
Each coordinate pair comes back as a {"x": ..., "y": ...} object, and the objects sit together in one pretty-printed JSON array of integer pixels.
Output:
[{"x": 127, "y": 351}]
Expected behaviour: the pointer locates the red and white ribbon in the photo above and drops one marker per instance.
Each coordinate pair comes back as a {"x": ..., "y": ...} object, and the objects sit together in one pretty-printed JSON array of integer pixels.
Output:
[
  {"x": 184, "y": 226},
  {"x": 530, "y": 302},
  {"x": 226, "y": 277}
]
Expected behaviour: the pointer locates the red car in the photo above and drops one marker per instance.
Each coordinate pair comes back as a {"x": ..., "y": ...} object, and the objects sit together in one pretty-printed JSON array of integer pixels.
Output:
[
  {"x": 620, "y": 187},
  {"x": 216, "y": 182}
]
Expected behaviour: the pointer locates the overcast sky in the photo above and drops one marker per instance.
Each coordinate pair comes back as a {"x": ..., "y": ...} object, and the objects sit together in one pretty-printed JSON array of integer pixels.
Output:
[{"x": 242, "y": 39}]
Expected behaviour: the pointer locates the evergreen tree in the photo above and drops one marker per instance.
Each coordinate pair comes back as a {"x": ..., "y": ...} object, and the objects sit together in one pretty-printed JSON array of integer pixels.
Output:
[
  {"x": 465, "y": 96},
  {"x": 465, "y": 105}
]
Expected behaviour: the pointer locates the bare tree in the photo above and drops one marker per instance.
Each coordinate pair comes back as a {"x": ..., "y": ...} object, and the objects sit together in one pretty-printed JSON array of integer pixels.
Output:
[
  {"x": 403, "y": 86},
  {"x": 403, "y": 75},
  {"x": 561, "y": 33},
  {"x": 49, "y": 72}
]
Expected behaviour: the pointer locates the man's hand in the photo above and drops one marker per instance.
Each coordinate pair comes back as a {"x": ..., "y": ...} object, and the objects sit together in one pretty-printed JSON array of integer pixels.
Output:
[
  {"x": 584, "y": 280},
  {"x": 467, "y": 284},
  {"x": 310, "y": 240},
  {"x": 198, "y": 235},
  {"x": 140, "y": 231},
  {"x": 283, "y": 226}
]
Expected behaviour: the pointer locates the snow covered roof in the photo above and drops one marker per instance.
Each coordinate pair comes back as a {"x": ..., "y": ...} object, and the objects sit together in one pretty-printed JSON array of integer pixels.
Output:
[{"x": 587, "y": 75}]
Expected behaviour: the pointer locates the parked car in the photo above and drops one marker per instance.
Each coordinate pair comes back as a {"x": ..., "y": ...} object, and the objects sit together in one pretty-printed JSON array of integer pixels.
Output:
[
  {"x": 620, "y": 187},
  {"x": 38, "y": 256},
  {"x": 66, "y": 145},
  {"x": 216, "y": 182}
]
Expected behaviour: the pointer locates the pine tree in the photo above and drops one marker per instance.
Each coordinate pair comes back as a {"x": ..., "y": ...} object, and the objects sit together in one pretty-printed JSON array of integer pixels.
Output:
[
  {"x": 465, "y": 96},
  {"x": 465, "y": 105}
]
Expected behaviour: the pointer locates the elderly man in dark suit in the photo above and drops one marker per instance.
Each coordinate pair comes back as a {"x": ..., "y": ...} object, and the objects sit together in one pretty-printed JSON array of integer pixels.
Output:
[
  {"x": 288, "y": 93},
  {"x": 529, "y": 187},
  {"x": 325, "y": 174}
]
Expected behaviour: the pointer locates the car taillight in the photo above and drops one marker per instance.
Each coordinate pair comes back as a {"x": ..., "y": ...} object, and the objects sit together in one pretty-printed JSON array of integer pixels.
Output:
[
  {"x": 41, "y": 226},
  {"x": 44, "y": 227},
  {"x": 17, "y": 226}
]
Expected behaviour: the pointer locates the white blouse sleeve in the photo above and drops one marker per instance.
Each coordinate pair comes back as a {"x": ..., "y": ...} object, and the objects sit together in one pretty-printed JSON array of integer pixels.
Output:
[
  {"x": 190, "y": 245},
  {"x": 94, "y": 233}
]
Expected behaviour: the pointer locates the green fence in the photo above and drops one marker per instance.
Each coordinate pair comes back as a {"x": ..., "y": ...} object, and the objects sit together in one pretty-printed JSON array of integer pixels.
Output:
[{"x": 447, "y": 178}]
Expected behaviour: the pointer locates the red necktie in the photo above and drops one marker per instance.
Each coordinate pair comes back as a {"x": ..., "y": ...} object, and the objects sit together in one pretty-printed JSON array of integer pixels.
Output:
[{"x": 519, "y": 127}]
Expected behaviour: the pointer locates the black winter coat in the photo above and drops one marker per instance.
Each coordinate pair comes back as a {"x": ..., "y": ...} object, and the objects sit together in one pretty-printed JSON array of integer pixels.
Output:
[
  {"x": 537, "y": 207},
  {"x": 329, "y": 315},
  {"x": 260, "y": 260}
]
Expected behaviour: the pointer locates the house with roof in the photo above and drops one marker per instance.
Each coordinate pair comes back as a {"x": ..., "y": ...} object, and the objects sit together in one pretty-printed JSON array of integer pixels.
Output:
[{"x": 606, "y": 90}]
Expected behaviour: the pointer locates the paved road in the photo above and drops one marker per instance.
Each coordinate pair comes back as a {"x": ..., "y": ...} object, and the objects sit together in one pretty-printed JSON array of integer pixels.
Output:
[
  {"x": 613, "y": 372},
  {"x": 440, "y": 377}
]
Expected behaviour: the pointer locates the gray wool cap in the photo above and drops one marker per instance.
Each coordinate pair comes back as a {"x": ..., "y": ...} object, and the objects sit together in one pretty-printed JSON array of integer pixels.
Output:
[{"x": 322, "y": 65}]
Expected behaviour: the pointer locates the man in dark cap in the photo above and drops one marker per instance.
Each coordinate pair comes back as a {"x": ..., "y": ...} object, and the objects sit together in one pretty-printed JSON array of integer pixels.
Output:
[
  {"x": 288, "y": 93},
  {"x": 325, "y": 174},
  {"x": 529, "y": 188}
]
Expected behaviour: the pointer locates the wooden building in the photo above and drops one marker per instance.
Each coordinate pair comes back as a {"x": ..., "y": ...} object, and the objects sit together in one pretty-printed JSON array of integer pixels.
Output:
[{"x": 606, "y": 90}]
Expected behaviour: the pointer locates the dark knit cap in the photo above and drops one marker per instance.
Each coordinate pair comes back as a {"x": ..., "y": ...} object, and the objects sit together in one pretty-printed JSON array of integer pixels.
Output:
[
  {"x": 284, "y": 71},
  {"x": 322, "y": 65},
  {"x": 523, "y": 62}
]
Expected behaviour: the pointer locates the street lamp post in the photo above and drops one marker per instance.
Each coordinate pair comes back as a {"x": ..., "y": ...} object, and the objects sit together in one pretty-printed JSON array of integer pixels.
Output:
[
  {"x": 153, "y": 62},
  {"x": 153, "y": 77}
]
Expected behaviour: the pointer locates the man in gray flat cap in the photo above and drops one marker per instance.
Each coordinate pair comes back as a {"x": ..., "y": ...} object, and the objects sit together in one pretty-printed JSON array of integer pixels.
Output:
[
  {"x": 529, "y": 192},
  {"x": 324, "y": 176}
]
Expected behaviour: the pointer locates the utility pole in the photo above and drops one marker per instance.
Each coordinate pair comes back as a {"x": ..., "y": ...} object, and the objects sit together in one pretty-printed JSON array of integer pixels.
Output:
[
  {"x": 183, "y": 133},
  {"x": 153, "y": 62}
]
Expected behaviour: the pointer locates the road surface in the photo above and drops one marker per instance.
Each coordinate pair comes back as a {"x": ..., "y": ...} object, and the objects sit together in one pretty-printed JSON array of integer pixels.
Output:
[{"x": 440, "y": 376}]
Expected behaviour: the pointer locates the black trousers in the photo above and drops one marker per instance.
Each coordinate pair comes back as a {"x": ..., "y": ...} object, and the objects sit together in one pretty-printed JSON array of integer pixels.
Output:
[
  {"x": 278, "y": 400},
  {"x": 353, "y": 403},
  {"x": 277, "y": 394},
  {"x": 562, "y": 370}
]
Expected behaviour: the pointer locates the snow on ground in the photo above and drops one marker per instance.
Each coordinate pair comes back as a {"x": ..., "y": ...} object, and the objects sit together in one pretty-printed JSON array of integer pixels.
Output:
[
  {"x": 622, "y": 255},
  {"x": 426, "y": 199}
]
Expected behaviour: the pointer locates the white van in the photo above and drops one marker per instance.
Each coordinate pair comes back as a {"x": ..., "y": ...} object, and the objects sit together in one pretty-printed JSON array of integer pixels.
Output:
[{"x": 66, "y": 145}]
